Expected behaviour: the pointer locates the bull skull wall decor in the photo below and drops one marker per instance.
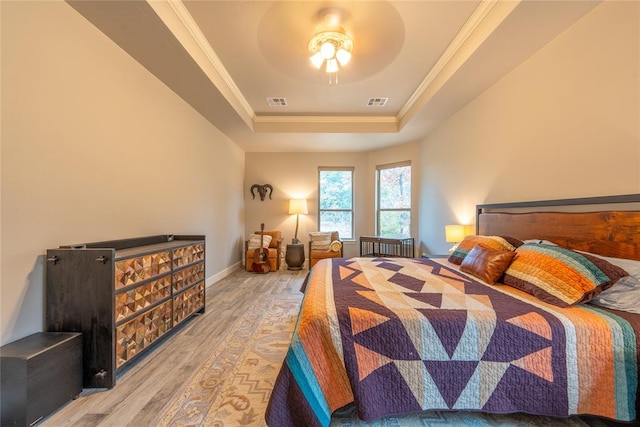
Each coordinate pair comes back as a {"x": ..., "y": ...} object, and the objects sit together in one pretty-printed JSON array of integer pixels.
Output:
[{"x": 262, "y": 190}]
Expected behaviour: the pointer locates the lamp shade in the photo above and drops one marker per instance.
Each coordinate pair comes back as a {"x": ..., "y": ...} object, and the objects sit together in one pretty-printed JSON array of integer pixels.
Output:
[
  {"x": 298, "y": 206},
  {"x": 455, "y": 233},
  {"x": 343, "y": 56}
]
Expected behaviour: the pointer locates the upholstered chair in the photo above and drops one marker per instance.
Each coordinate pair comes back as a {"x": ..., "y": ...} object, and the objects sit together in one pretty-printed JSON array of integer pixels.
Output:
[
  {"x": 275, "y": 249},
  {"x": 324, "y": 245}
]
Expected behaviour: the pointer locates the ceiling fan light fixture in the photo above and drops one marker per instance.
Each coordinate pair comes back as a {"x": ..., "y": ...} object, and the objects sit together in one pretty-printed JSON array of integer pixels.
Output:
[
  {"x": 317, "y": 60},
  {"x": 343, "y": 57},
  {"x": 328, "y": 50},
  {"x": 331, "y": 48},
  {"x": 332, "y": 66}
]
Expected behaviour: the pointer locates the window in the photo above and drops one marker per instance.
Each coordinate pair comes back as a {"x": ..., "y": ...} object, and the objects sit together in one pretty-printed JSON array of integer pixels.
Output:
[
  {"x": 393, "y": 199},
  {"x": 335, "y": 201}
]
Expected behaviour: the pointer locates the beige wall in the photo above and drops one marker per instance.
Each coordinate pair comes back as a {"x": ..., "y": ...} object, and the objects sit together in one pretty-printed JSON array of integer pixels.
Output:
[
  {"x": 566, "y": 123},
  {"x": 96, "y": 148},
  {"x": 295, "y": 175}
]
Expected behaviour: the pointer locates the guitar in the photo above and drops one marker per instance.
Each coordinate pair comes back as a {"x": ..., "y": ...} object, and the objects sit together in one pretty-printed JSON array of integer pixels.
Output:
[{"x": 261, "y": 256}]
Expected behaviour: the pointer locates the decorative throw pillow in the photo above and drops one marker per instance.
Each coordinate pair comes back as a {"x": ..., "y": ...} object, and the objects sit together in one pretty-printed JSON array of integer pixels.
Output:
[
  {"x": 516, "y": 243},
  {"x": 631, "y": 266},
  {"x": 490, "y": 242},
  {"x": 320, "y": 240},
  {"x": 560, "y": 276},
  {"x": 335, "y": 246},
  {"x": 275, "y": 237},
  {"x": 254, "y": 241},
  {"x": 487, "y": 264}
]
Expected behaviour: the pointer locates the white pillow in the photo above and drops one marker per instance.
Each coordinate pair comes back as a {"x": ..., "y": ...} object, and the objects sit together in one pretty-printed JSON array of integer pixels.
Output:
[
  {"x": 320, "y": 240},
  {"x": 254, "y": 241},
  {"x": 624, "y": 295}
]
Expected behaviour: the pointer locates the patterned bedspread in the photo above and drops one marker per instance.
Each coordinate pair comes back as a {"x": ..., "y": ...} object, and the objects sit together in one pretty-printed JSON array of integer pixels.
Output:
[{"x": 400, "y": 335}]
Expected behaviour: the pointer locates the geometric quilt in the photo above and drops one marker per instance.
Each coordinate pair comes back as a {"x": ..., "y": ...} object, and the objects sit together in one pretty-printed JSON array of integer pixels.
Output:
[{"x": 399, "y": 335}]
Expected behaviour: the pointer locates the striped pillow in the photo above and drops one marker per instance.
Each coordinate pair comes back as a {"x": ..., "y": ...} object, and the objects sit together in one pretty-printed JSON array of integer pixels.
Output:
[
  {"x": 320, "y": 240},
  {"x": 490, "y": 242},
  {"x": 255, "y": 239},
  {"x": 560, "y": 276}
]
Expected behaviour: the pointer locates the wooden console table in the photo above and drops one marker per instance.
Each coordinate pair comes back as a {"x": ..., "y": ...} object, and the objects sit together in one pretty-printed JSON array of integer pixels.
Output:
[{"x": 386, "y": 246}]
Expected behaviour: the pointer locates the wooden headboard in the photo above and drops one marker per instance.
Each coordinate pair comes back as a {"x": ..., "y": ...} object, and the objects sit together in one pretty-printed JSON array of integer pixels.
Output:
[{"x": 609, "y": 226}]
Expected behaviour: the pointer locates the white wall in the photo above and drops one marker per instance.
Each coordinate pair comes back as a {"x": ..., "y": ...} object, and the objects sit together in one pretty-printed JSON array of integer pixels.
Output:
[
  {"x": 295, "y": 175},
  {"x": 95, "y": 148},
  {"x": 565, "y": 123}
]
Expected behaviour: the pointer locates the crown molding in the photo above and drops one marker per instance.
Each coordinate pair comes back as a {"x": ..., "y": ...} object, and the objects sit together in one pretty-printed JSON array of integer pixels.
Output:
[
  {"x": 481, "y": 24},
  {"x": 485, "y": 19},
  {"x": 331, "y": 124},
  {"x": 179, "y": 21}
]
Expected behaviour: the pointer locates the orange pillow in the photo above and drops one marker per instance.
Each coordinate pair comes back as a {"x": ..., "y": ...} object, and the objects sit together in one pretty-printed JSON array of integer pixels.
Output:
[
  {"x": 560, "y": 276},
  {"x": 487, "y": 264}
]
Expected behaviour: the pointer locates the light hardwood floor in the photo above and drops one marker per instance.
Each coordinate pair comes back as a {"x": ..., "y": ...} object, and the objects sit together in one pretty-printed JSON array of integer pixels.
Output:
[{"x": 145, "y": 387}]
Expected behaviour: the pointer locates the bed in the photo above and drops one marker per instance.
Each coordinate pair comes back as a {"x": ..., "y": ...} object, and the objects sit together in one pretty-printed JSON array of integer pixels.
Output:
[{"x": 395, "y": 336}]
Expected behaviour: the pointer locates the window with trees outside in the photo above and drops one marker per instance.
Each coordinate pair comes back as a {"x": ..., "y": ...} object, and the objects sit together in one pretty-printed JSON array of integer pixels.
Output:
[
  {"x": 335, "y": 201},
  {"x": 393, "y": 199}
]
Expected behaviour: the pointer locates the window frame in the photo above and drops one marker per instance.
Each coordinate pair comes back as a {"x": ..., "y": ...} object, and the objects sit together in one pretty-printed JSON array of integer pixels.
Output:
[
  {"x": 350, "y": 169},
  {"x": 377, "y": 193}
]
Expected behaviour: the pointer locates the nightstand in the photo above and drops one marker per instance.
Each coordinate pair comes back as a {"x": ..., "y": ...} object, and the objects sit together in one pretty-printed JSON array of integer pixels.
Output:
[{"x": 294, "y": 256}]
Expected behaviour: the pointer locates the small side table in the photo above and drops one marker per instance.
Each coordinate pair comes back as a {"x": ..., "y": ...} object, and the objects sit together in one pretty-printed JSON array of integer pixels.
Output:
[{"x": 294, "y": 256}]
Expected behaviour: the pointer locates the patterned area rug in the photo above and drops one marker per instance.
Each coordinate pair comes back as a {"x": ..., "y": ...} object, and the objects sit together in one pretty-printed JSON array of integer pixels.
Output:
[{"x": 232, "y": 388}]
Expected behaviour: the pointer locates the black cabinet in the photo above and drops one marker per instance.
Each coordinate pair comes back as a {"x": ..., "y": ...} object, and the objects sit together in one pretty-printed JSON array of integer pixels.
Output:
[
  {"x": 123, "y": 296},
  {"x": 39, "y": 373}
]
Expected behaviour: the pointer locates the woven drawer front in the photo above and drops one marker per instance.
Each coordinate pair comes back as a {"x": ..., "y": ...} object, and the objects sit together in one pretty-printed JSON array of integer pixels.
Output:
[
  {"x": 188, "y": 255},
  {"x": 138, "y": 333},
  {"x": 188, "y": 302},
  {"x": 130, "y": 271},
  {"x": 187, "y": 277},
  {"x": 130, "y": 302}
]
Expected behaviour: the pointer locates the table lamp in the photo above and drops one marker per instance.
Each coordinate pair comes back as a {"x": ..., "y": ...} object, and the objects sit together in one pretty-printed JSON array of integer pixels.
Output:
[
  {"x": 297, "y": 207},
  {"x": 455, "y": 234}
]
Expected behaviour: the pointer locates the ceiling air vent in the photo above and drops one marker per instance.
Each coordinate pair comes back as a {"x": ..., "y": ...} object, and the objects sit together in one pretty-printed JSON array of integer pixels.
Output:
[
  {"x": 377, "y": 102},
  {"x": 277, "y": 102}
]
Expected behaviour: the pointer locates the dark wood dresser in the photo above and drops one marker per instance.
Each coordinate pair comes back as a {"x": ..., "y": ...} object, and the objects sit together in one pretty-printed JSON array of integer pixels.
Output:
[{"x": 124, "y": 296}]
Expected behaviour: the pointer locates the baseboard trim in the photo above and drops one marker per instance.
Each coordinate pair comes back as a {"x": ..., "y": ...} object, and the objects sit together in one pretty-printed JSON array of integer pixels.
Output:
[{"x": 222, "y": 274}]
